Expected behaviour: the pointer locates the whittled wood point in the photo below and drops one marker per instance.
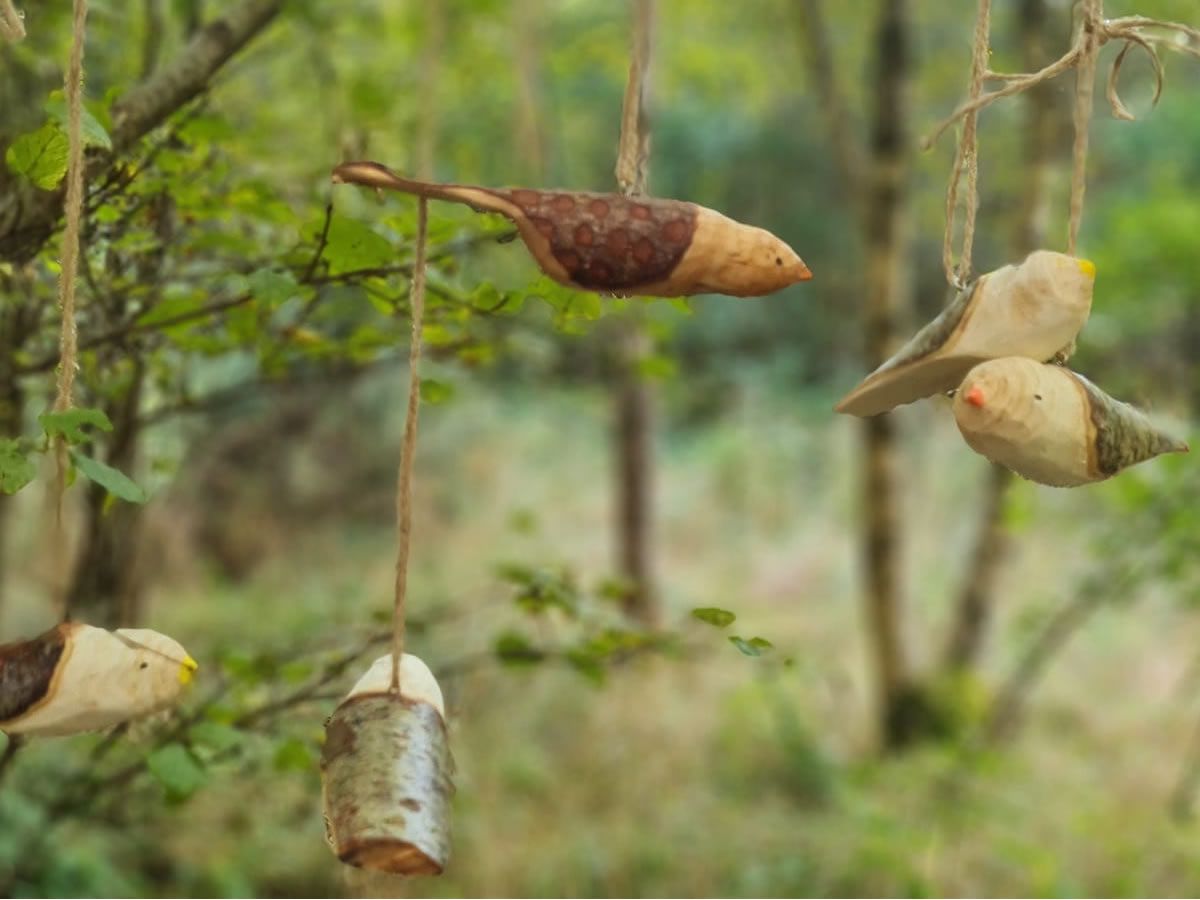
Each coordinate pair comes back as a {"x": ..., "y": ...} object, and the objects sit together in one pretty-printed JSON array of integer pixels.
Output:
[
  {"x": 1052, "y": 425},
  {"x": 613, "y": 244}
]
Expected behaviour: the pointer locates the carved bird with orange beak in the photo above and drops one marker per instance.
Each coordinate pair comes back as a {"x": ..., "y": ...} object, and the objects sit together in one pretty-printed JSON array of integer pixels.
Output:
[
  {"x": 1052, "y": 425},
  {"x": 614, "y": 244}
]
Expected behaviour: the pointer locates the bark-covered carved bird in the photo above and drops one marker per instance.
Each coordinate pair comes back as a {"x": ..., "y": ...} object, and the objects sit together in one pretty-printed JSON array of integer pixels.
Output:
[
  {"x": 1052, "y": 425},
  {"x": 1034, "y": 309},
  {"x": 386, "y": 773},
  {"x": 76, "y": 678},
  {"x": 614, "y": 244}
]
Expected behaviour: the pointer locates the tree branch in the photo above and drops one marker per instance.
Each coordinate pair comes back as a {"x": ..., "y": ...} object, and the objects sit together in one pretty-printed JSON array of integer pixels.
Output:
[
  {"x": 28, "y": 216},
  {"x": 823, "y": 77}
]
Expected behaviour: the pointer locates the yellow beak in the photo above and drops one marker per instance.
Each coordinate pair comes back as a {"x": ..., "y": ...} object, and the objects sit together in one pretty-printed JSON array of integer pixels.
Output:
[{"x": 187, "y": 670}]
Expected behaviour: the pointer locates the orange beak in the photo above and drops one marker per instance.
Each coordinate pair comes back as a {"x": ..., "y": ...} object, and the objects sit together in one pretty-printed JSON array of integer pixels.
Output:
[{"x": 974, "y": 396}]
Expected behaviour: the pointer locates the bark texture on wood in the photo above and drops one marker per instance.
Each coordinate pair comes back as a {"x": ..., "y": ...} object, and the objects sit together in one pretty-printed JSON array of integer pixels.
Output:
[
  {"x": 887, "y": 295},
  {"x": 386, "y": 771}
]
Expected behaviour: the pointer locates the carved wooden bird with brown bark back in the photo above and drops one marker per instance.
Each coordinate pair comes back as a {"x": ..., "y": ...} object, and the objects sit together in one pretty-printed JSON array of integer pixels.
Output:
[{"x": 614, "y": 244}]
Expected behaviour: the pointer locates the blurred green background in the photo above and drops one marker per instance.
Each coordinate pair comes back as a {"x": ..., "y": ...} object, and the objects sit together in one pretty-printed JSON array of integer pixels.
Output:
[{"x": 608, "y": 741}]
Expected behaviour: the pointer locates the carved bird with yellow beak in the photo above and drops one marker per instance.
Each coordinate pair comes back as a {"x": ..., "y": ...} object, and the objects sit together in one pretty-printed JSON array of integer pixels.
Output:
[
  {"x": 1034, "y": 309},
  {"x": 76, "y": 678}
]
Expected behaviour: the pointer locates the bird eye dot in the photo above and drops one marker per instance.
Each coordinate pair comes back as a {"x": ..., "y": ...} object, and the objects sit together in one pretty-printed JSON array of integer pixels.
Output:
[
  {"x": 144, "y": 665},
  {"x": 778, "y": 261},
  {"x": 1037, "y": 396}
]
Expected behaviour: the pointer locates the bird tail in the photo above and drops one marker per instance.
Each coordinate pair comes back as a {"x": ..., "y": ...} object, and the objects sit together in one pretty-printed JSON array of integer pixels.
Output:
[{"x": 377, "y": 175}]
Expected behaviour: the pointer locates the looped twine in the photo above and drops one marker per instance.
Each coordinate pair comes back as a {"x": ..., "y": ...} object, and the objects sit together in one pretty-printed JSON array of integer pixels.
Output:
[{"x": 1093, "y": 33}]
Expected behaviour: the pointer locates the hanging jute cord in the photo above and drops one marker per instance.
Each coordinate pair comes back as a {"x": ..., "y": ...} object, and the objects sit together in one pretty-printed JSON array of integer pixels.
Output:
[
  {"x": 408, "y": 446},
  {"x": 633, "y": 151},
  {"x": 1085, "y": 77},
  {"x": 1093, "y": 32},
  {"x": 70, "y": 261},
  {"x": 966, "y": 157}
]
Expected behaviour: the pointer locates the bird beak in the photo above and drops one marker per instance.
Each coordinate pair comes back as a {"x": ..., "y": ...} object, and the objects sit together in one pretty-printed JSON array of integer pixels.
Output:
[
  {"x": 1087, "y": 267},
  {"x": 187, "y": 670},
  {"x": 974, "y": 396},
  {"x": 805, "y": 272}
]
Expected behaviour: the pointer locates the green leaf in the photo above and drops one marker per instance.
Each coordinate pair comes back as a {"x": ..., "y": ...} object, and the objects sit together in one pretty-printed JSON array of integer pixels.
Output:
[
  {"x": 587, "y": 664},
  {"x": 112, "y": 480},
  {"x": 216, "y": 736},
  {"x": 176, "y": 770},
  {"x": 514, "y": 649},
  {"x": 41, "y": 156},
  {"x": 754, "y": 647},
  {"x": 435, "y": 392},
  {"x": 16, "y": 469},
  {"x": 713, "y": 615},
  {"x": 271, "y": 289},
  {"x": 353, "y": 245},
  {"x": 69, "y": 424},
  {"x": 90, "y": 129},
  {"x": 293, "y": 755}
]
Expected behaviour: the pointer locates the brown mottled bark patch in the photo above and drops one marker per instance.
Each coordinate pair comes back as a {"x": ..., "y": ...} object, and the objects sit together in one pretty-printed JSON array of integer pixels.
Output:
[
  {"x": 609, "y": 242},
  {"x": 27, "y": 671},
  {"x": 1124, "y": 436}
]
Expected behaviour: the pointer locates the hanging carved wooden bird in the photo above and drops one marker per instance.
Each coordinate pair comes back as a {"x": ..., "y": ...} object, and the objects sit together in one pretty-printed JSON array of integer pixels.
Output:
[
  {"x": 1034, "y": 309},
  {"x": 386, "y": 773},
  {"x": 76, "y": 678},
  {"x": 613, "y": 244},
  {"x": 1052, "y": 425}
]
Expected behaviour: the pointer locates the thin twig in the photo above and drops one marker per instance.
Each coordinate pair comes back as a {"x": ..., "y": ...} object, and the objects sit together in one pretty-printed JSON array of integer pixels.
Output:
[
  {"x": 1010, "y": 699},
  {"x": 1085, "y": 83},
  {"x": 316, "y": 257},
  {"x": 15, "y": 742},
  {"x": 12, "y": 23}
]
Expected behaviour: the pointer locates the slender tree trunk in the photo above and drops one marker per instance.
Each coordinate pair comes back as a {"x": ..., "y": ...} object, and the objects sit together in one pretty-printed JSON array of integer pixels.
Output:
[
  {"x": 633, "y": 399},
  {"x": 12, "y": 411},
  {"x": 888, "y": 293},
  {"x": 106, "y": 586},
  {"x": 18, "y": 320},
  {"x": 993, "y": 539},
  {"x": 634, "y": 453},
  {"x": 531, "y": 142}
]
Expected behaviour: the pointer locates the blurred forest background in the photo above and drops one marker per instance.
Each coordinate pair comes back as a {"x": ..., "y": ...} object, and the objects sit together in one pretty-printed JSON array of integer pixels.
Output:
[{"x": 963, "y": 684}]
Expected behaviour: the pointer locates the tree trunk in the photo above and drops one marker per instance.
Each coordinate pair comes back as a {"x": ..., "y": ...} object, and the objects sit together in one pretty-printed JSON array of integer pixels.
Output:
[
  {"x": 993, "y": 539},
  {"x": 634, "y": 453},
  {"x": 633, "y": 397},
  {"x": 106, "y": 587},
  {"x": 888, "y": 293},
  {"x": 18, "y": 320}
]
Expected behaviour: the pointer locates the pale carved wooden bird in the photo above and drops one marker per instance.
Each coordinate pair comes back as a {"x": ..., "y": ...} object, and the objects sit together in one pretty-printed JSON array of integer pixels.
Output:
[
  {"x": 76, "y": 678},
  {"x": 614, "y": 244},
  {"x": 1052, "y": 425},
  {"x": 1034, "y": 309}
]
